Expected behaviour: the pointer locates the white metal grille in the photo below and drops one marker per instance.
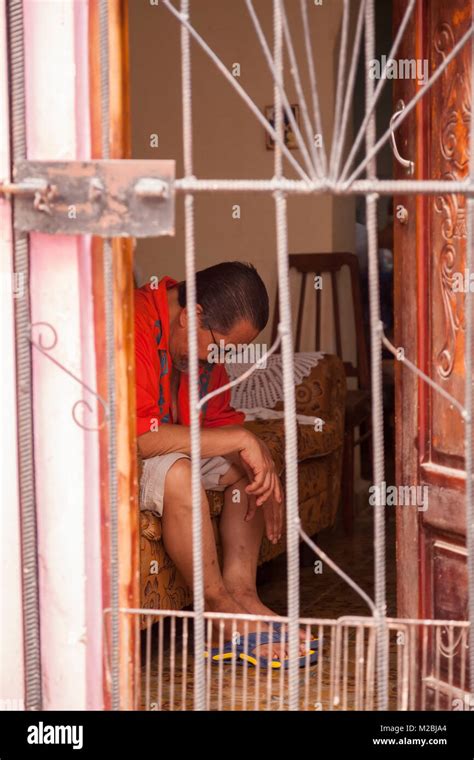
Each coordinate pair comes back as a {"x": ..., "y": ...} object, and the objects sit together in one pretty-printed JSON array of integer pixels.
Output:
[
  {"x": 425, "y": 661},
  {"x": 359, "y": 668}
]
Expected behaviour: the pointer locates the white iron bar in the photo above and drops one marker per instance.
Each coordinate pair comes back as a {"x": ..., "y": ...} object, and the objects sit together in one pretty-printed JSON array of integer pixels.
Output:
[
  {"x": 309, "y": 128},
  {"x": 437, "y": 655},
  {"x": 411, "y": 656},
  {"x": 439, "y": 388},
  {"x": 412, "y": 103},
  {"x": 306, "y": 669},
  {"x": 281, "y": 655},
  {"x": 137, "y": 670},
  {"x": 232, "y": 383},
  {"x": 336, "y": 672},
  {"x": 378, "y": 452},
  {"x": 340, "y": 138},
  {"x": 299, "y": 187},
  {"x": 332, "y": 666},
  {"x": 350, "y": 664},
  {"x": 172, "y": 661},
  {"x": 401, "y": 679},
  {"x": 269, "y": 684},
  {"x": 337, "y": 125},
  {"x": 345, "y": 667},
  {"x": 451, "y": 662},
  {"x": 233, "y": 665},
  {"x": 257, "y": 674},
  {"x": 108, "y": 270},
  {"x": 359, "y": 668},
  {"x": 159, "y": 675},
  {"x": 376, "y": 375},
  {"x": 366, "y": 620},
  {"x": 238, "y": 87},
  {"x": 345, "y": 672},
  {"x": 290, "y": 425},
  {"x": 378, "y": 90},
  {"x": 220, "y": 666},
  {"x": 370, "y": 681},
  {"x": 280, "y": 186},
  {"x": 312, "y": 80},
  {"x": 190, "y": 257},
  {"x": 245, "y": 667},
  {"x": 184, "y": 667},
  {"x": 464, "y": 646},
  {"x": 283, "y": 102},
  {"x": 335, "y": 567},
  {"x": 321, "y": 642},
  {"x": 275, "y": 65},
  {"x": 148, "y": 668},
  {"x": 209, "y": 664},
  {"x": 424, "y": 666}
]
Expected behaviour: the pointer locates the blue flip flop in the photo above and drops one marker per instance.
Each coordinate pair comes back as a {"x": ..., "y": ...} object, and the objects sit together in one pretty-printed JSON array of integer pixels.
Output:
[
  {"x": 253, "y": 640},
  {"x": 228, "y": 653}
]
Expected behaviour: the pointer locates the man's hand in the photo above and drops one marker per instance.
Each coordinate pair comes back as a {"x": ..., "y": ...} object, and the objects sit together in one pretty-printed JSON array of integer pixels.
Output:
[
  {"x": 273, "y": 516},
  {"x": 260, "y": 468}
]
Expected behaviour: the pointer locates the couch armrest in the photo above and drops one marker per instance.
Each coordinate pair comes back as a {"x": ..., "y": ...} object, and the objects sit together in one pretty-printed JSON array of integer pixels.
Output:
[{"x": 321, "y": 394}]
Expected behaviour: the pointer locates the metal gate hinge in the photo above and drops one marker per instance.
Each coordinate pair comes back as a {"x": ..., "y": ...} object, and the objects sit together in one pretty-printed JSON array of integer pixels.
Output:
[{"x": 116, "y": 198}]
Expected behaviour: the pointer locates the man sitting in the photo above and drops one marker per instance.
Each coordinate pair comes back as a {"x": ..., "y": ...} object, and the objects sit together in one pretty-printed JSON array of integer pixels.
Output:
[{"x": 232, "y": 306}]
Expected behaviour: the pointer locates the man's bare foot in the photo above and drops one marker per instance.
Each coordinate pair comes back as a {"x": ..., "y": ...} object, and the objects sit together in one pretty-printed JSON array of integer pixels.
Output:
[
  {"x": 252, "y": 604},
  {"x": 227, "y": 603},
  {"x": 224, "y": 603}
]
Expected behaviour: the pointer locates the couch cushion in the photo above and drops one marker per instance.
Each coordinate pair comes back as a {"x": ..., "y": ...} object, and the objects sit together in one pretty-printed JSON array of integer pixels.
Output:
[{"x": 150, "y": 525}]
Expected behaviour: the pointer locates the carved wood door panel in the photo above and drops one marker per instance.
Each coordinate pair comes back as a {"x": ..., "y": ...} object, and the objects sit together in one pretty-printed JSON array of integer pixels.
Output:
[{"x": 430, "y": 254}]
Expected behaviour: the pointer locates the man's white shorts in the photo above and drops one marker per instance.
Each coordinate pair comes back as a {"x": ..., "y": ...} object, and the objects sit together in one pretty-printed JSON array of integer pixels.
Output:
[{"x": 155, "y": 470}]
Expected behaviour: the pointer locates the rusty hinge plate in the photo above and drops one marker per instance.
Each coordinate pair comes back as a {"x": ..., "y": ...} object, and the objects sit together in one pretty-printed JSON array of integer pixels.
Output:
[{"x": 116, "y": 198}]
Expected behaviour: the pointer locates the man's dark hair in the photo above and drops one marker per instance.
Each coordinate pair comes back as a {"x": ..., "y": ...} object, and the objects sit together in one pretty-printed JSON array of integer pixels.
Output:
[{"x": 228, "y": 293}]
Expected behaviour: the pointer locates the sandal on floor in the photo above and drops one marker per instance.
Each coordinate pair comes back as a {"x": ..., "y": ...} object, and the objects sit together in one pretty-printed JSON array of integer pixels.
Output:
[
  {"x": 253, "y": 640},
  {"x": 228, "y": 653}
]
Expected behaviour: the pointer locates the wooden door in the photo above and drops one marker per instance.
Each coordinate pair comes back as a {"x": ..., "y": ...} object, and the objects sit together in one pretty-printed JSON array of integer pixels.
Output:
[
  {"x": 128, "y": 531},
  {"x": 429, "y": 249}
]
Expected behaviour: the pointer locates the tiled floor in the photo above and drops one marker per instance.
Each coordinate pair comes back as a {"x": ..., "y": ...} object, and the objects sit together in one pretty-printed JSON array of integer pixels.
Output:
[{"x": 323, "y": 595}]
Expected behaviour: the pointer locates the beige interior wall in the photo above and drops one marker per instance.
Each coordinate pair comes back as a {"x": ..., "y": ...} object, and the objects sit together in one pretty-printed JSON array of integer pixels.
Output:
[{"x": 230, "y": 143}]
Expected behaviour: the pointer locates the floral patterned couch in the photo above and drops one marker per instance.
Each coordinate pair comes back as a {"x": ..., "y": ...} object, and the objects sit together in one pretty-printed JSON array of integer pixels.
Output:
[{"x": 322, "y": 394}]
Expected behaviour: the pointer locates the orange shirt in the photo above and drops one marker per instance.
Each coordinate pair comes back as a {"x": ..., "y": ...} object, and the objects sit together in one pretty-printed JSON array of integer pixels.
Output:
[{"x": 154, "y": 365}]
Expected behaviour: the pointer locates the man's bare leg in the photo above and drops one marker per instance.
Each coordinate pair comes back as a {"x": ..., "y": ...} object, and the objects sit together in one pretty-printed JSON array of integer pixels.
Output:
[
  {"x": 241, "y": 541},
  {"x": 177, "y": 538}
]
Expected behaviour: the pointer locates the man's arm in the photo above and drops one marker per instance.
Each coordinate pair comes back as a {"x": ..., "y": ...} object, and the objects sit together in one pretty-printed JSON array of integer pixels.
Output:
[{"x": 220, "y": 441}]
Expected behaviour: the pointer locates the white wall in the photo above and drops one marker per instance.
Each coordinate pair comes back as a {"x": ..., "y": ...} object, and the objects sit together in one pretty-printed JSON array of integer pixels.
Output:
[
  {"x": 66, "y": 456},
  {"x": 11, "y": 613},
  {"x": 228, "y": 140}
]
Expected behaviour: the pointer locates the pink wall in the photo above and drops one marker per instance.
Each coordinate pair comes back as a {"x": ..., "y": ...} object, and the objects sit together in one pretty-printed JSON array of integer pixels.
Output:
[
  {"x": 11, "y": 619},
  {"x": 67, "y": 464}
]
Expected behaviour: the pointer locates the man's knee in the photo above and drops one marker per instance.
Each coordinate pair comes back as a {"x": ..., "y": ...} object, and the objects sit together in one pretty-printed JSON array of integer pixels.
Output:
[
  {"x": 178, "y": 477},
  {"x": 178, "y": 484}
]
